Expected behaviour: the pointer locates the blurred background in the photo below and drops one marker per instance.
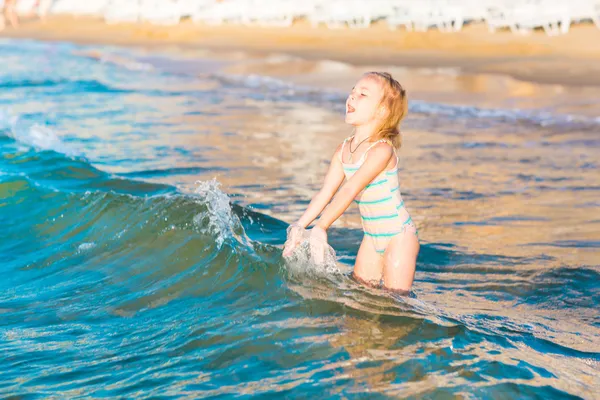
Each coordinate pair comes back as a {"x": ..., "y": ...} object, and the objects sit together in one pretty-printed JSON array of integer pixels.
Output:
[{"x": 554, "y": 17}]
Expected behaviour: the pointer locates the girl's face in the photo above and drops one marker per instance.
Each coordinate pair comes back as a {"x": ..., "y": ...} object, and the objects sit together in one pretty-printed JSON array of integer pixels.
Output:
[{"x": 362, "y": 105}]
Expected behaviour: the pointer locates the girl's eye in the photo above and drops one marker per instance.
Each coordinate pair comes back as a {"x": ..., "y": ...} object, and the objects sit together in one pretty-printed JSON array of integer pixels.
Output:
[{"x": 362, "y": 94}]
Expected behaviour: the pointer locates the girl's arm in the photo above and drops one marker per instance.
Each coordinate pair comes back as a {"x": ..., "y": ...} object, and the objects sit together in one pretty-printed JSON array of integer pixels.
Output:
[
  {"x": 333, "y": 180},
  {"x": 375, "y": 163}
]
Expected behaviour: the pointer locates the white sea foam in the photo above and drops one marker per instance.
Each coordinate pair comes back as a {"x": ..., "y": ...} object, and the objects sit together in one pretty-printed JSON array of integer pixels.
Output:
[
  {"x": 130, "y": 64},
  {"x": 33, "y": 134},
  {"x": 280, "y": 87},
  {"x": 86, "y": 246}
]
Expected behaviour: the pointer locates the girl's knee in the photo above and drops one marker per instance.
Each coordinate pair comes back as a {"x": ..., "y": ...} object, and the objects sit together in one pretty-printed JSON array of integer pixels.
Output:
[
  {"x": 398, "y": 283},
  {"x": 367, "y": 281},
  {"x": 398, "y": 291}
]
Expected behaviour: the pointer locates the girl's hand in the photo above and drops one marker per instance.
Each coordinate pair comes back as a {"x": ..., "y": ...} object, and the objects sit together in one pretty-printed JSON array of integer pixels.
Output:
[
  {"x": 318, "y": 244},
  {"x": 318, "y": 233},
  {"x": 294, "y": 238}
]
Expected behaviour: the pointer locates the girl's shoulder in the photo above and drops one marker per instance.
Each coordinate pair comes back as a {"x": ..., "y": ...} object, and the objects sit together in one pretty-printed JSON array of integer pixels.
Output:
[
  {"x": 384, "y": 145},
  {"x": 382, "y": 149},
  {"x": 341, "y": 146},
  {"x": 386, "y": 141}
]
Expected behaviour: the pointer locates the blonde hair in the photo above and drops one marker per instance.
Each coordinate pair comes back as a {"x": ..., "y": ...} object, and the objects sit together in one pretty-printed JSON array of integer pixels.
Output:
[{"x": 396, "y": 105}]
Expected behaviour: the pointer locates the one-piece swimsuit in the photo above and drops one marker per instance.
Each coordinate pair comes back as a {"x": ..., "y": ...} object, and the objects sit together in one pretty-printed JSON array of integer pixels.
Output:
[{"x": 382, "y": 210}]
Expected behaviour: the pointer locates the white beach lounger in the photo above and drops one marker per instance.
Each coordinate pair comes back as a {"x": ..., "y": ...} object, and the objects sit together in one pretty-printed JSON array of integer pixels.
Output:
[
  {"x": 445, "y": 15},
  {"x": 339, "y": 13},
  {"x": 231, "y": 11},
  {"x": 79, "y": 7},
  {"x": 526, "y": 15},
  {"x": 119, "y": 11},
  {"x": 401, "y": 16},
  {"x": 278, "y": 13},
  {"x": 473, "y": 10},
  {"x": 161, "y": 12},
  {"x": 582, "y": 10},
  {"x": 190, "y": 7}
]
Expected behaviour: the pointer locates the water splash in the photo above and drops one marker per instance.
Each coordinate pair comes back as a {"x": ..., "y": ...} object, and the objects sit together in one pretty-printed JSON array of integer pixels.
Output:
[
  {"x": 312, "y": 256},
  {"x": 219, "y": 219}
]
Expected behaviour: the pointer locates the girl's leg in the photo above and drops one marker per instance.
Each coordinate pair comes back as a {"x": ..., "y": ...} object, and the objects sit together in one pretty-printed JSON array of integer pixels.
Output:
[
  {"x": 400, "y": 261},
  {"x": 369, "y": 264},
  {"x": 42, "y": 8},
  {"x": 9, "y": 11},
  {"x": 34, "y": 9}
]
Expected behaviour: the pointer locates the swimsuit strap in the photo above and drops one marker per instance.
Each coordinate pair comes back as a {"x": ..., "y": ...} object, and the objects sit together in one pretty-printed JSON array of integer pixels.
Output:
[
  {"x": 375, "y": 144},
  {"x": 342, "y": 150}
]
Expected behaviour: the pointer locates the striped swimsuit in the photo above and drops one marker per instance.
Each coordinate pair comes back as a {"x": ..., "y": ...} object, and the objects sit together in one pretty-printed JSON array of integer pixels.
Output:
[{"x": 382, "y": 210}]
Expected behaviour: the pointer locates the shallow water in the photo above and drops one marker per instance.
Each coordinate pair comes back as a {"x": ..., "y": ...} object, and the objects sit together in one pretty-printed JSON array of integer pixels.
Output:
[{"x": 144, "y": 209}]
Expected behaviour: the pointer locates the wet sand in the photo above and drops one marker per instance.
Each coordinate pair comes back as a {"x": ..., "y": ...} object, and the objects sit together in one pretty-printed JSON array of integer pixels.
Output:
[{"x": 566, "y": 60}]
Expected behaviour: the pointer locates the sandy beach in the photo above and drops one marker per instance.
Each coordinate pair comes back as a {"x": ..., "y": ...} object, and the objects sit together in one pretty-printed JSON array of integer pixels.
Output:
[{"x": 570, "y": 59}]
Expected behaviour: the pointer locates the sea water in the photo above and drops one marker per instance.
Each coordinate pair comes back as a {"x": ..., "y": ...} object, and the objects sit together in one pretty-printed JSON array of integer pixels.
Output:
[{"x": 143, "y": 210}]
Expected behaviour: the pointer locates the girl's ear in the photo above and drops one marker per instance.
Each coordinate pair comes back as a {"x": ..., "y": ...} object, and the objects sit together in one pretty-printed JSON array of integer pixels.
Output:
[{"x": 381, "y": 112}]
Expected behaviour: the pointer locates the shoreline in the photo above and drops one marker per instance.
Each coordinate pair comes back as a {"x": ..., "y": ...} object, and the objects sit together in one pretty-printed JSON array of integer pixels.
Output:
[{"x": 570, "y": 60}]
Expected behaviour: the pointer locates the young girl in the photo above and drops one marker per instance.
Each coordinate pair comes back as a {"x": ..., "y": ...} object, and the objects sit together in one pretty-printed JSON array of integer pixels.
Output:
[
  {"x": 367, "y": 161},
  {"x": 10, "y": 13}
]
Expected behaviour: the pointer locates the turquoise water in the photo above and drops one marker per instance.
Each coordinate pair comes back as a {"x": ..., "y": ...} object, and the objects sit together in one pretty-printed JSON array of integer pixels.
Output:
[{"x": 143, "y": 209}]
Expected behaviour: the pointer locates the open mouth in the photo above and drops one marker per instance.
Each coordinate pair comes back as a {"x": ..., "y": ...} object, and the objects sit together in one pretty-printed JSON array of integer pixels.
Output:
[{"x": 349, "y": 109}]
